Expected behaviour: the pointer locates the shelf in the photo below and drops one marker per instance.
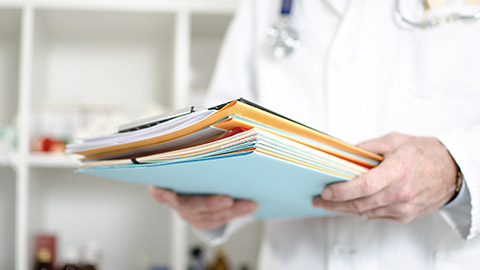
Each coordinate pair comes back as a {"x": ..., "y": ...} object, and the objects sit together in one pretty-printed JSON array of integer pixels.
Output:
[
  {"x": 9, "y": 59},
  {"x": 40, "y": 160}
]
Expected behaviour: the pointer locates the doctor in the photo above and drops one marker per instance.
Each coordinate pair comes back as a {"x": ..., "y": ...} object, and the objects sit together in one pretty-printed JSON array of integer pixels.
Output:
[{"x": 358, "y": 70}]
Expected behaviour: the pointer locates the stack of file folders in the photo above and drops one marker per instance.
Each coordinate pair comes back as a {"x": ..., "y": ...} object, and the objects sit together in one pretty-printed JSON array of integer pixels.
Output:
[{"x": 238, "y": 149}]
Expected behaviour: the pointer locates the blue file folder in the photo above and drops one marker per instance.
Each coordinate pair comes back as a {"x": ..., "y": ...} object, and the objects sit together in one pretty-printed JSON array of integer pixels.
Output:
[{"x": 281, "y": 188}]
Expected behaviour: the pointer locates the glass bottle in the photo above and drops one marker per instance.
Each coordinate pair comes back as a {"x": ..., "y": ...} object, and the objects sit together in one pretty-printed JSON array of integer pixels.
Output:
[
  {"x": 70, "y": 259},
  {"x": 44, "y": 260},
  {"x": 196, "y": 259},
  {"x": 220, "y": 262}
]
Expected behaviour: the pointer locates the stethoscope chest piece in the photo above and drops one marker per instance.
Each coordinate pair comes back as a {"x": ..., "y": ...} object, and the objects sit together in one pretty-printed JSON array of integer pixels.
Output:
[{"x": 281, "y": 36}]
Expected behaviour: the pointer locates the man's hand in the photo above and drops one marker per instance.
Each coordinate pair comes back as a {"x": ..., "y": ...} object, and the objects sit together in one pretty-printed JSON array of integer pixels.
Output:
[
  {"x": 203, "y": 212},
  {"x": 417, "y": 176}
]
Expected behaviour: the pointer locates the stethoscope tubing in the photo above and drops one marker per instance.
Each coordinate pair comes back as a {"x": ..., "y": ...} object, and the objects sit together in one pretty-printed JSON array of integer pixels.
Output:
[
  {"x": 284, "y": 39},
  {"x": 286, "y": 7},
  {"x": 435, "y": 21}
]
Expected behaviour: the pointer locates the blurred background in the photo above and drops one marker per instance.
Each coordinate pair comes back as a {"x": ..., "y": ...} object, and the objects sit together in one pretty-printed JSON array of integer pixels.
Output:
[{"x": 72, "y": 69}]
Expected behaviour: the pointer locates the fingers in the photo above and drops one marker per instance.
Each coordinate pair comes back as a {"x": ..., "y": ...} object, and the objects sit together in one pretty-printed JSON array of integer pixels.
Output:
[
  {"x": 192, "y": 203},
  {"x": 392, "y": 194},
  {"x": 385, "y": 144},
  {"x": 157, "y": 194},
  {"x": 393, "y": 169},
  {"x": 388, "y": 204},
  {"x": 365, "y": 185},
  {"x": 211, "y": 220},
  {"x": 199, "y": 204},
  {"x": 354, "y": 206},
  {"x": 163, "y": 196},
  {"x": 372, "y": 208},
  {"x": 403, "y": 212},
  {"x": 204, "y": 212}
]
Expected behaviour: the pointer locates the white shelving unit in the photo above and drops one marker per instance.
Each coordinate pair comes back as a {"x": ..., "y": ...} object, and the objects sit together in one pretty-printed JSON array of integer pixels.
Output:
[
  {"x": 10, "y": 18},
  {"x": 104, "y": 53}
]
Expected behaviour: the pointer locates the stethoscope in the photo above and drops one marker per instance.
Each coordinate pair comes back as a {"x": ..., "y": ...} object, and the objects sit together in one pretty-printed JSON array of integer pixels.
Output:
[
  {"x": 436, "y": 20},
  {"x": 283, "y": 38}
]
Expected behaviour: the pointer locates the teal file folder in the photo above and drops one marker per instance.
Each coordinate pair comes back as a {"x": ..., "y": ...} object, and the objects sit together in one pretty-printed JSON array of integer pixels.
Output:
[{"x": 282, "y": 189}]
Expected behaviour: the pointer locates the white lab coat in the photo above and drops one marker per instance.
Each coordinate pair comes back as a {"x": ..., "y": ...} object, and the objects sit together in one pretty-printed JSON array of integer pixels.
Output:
[{"x": 359, "y": 75}]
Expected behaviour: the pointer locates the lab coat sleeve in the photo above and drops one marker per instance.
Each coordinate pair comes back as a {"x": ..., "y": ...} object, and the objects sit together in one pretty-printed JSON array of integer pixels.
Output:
[
  {"x": 234, "y": 74},
  {"x": 220, "y": 235},
  {"x": 464, "y": 146},
  {"x": 233, "y": 78}
]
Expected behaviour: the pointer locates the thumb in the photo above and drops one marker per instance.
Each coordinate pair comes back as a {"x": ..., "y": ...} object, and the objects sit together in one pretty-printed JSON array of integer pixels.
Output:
[{"x": 385, "y": 144}]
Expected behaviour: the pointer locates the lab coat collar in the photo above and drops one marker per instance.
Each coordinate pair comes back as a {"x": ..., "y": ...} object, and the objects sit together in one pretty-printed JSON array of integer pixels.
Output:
[{"x": 339, "y": 6}]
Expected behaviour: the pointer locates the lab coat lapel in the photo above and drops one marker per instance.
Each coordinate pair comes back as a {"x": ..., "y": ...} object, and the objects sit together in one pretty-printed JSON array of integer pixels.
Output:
[{"x": 339, "y": 6}]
